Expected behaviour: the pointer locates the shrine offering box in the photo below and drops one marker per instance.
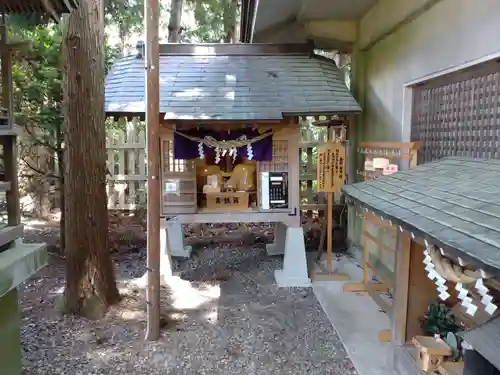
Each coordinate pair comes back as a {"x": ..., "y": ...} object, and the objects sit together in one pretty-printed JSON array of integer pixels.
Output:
[{"x": 227, "y": 201}]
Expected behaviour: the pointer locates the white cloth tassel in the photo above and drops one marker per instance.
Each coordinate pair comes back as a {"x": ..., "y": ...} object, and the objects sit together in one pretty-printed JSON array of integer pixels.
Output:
[
  {"x": 217, "y": 155},
  {"x": 200, "y": 150},
  {"x": 250, "y": 151}
]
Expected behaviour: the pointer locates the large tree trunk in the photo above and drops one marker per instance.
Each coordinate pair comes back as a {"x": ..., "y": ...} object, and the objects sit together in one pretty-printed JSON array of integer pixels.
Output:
[
  {"x": 90, "y": 276},
  {"x": 232, "y": 22},
  {"x": 174, "y": 24}
]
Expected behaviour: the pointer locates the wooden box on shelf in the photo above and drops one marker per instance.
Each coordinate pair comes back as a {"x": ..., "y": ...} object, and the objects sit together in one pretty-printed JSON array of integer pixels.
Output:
[
  {"x": 383, "y": 158},
  {"x": 227, "y": 202},
  {"x": 431, "y": 352}
]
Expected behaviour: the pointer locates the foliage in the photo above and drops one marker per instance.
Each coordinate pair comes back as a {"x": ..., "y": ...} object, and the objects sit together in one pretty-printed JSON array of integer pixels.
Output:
[
  {"x": 214, "y": 18},
  {"x": 439, "y": 320}
]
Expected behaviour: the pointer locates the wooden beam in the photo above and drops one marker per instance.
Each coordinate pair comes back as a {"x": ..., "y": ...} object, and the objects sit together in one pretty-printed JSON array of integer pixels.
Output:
[
  {"x": 241, "y": 49},
  {"x": 400, "y": 301},
  {"x": 9, "y": 140},
  {"x": 341, "y": 31},
  {"x": 152, "y": 14}
]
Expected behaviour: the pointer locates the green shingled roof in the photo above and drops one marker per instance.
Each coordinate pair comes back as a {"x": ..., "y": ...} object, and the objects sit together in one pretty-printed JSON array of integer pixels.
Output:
[
  {"x": 454, "y": 203},
  {"x": 232, "y": 87}
]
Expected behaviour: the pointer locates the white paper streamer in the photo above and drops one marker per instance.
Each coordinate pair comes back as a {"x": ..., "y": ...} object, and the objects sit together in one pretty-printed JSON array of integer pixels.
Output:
[
  {"x": 486, "y": 300},
  {"x": 444, "y": 295},
  {"x": 471, "y": 309},
  {"x": 463, "y": 293},
  {"x": 440, "y": 280},
  {"x": 466, "y": 302},
  {"x": 432, "y": 274},
  {"x": 481, "y": 288},
  {"x": 491, "y": 308},
  {"x": 201, "y": 152},
  {"x": 442, "y": 288}
]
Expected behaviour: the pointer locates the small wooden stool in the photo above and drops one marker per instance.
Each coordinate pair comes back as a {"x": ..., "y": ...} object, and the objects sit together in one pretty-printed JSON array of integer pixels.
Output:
[{"x": 431, "y": 352}]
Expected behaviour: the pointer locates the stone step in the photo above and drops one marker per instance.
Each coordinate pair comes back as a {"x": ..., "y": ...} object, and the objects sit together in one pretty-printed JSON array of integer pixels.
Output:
[
  {"x": 19, "y": 263},
  {"x": 10, "y": 233}
]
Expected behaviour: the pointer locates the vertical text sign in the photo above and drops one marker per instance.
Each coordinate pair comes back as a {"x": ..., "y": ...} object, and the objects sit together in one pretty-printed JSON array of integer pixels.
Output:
[{"x": 331, "y": 167}]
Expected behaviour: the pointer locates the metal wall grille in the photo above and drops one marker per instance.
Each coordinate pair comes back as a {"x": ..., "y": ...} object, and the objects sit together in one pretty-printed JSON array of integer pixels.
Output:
[{"x": 458, "y": 115}]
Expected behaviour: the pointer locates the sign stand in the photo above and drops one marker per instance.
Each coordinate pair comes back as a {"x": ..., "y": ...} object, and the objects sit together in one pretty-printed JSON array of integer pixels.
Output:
[{"x": 331, "y": 172}]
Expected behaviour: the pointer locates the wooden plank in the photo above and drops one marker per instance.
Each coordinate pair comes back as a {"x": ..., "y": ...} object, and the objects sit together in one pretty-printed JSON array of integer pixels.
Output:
[
  {"x": 400, "y": 304},
  {"x": 329, "y": 232},
  {"x": 239, "y": 49},
  {"x": 383, "y": 277},
  {"x": 379, "y": 243},
  {"x": 361, "y": 287},
  {"x": 11, "y": 233},
  {"x": 376, "y": 220},
  {"x": 152, "y": 12},
  {"x": 293, "y": 161},
  {"x": 10, "y": 170},
  {"x": 421, "y": 291},
  {"x": 451, "y": 368},
  {"x": 391, "y": 145}
]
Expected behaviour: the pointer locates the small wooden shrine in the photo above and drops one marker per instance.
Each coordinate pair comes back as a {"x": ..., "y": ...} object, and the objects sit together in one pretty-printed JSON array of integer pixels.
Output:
[
  {"x": 18, "y": 260},
  {"x": 446, "y": 290},
  {"x": 229, "y": 137}
]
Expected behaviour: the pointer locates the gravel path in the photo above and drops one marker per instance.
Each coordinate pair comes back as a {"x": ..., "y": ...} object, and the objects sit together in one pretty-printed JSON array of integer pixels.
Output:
[{"x": 228, "y": 318}]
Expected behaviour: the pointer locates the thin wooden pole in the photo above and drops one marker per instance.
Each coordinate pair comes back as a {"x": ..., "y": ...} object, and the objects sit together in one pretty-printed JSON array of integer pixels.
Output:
[
  {"x": 329, "y": 233},
  {"x": 366, "y": 253},
  {"x": 329, "y": 223},
  {"x": 152, "y": 13},
  {"x": 9, "y": 141}
]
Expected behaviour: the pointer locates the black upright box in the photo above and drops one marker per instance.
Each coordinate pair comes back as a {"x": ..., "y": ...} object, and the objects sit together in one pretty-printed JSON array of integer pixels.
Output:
[{"x": 278, "y": 190}]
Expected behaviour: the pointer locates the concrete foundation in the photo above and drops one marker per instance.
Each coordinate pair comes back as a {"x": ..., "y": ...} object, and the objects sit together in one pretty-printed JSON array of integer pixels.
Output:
[
  {"x": 358, "y": 320},
  {"x": 174, "y": 234},
  {"x": 295, "y": 270},
  {"x": 10, "y": 340},
  {"x": 278, "y": 246},
  {"x": 16, "y": 265}
]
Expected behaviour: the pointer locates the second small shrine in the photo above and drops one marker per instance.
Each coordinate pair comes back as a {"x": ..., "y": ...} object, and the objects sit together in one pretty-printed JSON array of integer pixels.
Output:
[
  {"x": 230, "y": 134},
  {"x": 445, "y": 290}
]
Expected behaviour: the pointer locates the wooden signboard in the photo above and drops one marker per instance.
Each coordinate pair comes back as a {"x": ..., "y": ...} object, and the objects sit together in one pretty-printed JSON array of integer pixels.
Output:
[{"x": 331, "y": 167}]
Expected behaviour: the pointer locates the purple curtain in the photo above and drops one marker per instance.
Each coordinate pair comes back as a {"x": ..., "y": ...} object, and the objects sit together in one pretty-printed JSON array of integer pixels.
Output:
[{"x": 186, "y": 149}]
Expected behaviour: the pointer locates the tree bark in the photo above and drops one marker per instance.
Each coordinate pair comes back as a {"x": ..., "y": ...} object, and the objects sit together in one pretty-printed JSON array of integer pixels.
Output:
[
  {"x": 233, "y": 22},
  {"x": 174, "y": 24},
  {"x": 90, "y": 277}
]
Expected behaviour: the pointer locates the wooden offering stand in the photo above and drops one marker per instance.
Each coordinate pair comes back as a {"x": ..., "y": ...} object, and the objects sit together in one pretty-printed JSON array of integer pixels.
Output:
[{"x": 431, "y": 355}]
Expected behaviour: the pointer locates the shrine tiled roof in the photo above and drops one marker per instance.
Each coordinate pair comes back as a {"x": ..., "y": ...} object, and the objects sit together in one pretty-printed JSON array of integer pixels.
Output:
[
  {"x": 49, "y": 7},
  {"x": 486, "y": 340},
  {"x": 232, "y": 86},
  {"x": 454, "y": 203}
]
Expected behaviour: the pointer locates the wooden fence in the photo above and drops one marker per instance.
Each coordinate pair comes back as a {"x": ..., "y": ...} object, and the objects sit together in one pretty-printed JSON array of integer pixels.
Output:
[{"x": 127, "y": 164}]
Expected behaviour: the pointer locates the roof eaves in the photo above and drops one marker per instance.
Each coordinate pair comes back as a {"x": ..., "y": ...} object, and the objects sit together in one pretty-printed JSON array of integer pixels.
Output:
[{"x": 237, "y": 49}]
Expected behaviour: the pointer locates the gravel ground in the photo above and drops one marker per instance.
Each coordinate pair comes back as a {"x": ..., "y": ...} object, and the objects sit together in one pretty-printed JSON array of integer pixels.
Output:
[{"x": 227, "y": 317}]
